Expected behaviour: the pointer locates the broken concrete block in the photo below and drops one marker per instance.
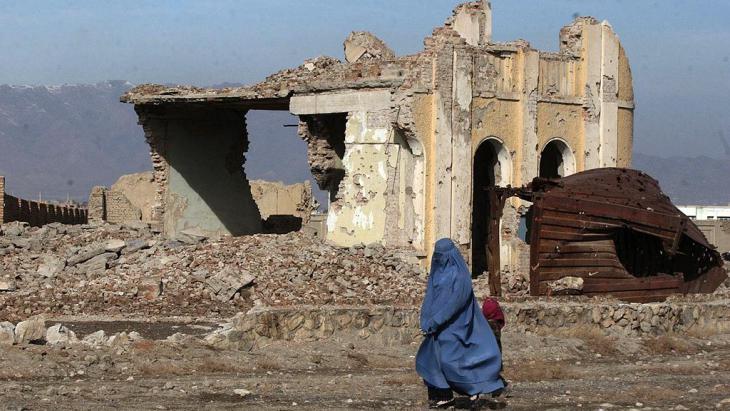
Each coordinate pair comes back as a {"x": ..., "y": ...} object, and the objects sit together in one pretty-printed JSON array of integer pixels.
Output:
[
  {"x": 226, "y": 283},
  {"x": 58, "y": 334},
  {"x": 86, "y": 254},
  {"x": 96, "y": 338},
  {"x": 16, "y": 228},
  {"x": 50, "y": 266},
  {"x": 7, "y": 333},
  {"x": 361, "y": 45},
  {"x": 30, "y": 331},
  {"x": 150, "y": 288},
  {"x": 191, "y": 236},
  {"x": 135, "y": 245},
  {"x": 114, "y": 246},
  {"x": 7, "y": 284},
  {"x": 566, "y": 285},
  {"x": 98, "y": 264}
]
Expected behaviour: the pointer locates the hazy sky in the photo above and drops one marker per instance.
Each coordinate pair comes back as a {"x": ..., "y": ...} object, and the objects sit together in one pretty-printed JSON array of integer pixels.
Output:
[{"x": 679, "y": 50}]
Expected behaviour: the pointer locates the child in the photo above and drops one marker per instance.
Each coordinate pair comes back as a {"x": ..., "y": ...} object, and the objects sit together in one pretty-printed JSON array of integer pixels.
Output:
[{"x": 495, "y": 317}]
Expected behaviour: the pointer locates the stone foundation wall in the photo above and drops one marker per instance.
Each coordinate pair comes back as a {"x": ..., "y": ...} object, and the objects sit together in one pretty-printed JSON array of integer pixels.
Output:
[
  {"x": 37, "y": 213},
  {"x": 400, "y": 325}
]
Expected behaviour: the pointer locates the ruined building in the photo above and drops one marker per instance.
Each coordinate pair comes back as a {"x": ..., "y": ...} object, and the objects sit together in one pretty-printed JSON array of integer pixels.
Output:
[{"x": 406, "y": 146}]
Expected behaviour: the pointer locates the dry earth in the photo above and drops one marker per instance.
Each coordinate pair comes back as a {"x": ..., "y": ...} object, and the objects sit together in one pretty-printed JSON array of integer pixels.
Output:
[{"x": 573, "y": 370}]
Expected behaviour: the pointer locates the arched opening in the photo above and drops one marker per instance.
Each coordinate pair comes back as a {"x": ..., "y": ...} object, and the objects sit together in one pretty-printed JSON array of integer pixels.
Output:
[
  {"x": 492, "y": 167},
  {"x": 556, "y": 160}
]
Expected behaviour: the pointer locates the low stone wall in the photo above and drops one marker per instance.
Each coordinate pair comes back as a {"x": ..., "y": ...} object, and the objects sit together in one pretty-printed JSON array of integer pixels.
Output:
[
  {"x": 387, "y": 325},
  {"x": 37, "y": 213}
]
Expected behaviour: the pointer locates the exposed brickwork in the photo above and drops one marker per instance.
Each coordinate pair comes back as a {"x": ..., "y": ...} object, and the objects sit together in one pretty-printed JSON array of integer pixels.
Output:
[
  {"x": 119, "y": 209},
  {"x": 97, "y": 207},
  {"x": 37, "y": 213},
  {"x": 111, "y": 206}
]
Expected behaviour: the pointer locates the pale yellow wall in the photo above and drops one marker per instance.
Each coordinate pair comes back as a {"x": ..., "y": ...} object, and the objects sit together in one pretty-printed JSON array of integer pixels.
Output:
[
  {"x": 625, "y": 137},
  {"x": 498, "y": 118},
  {"x": 564, "y": 121},
  {"x": 625, "y": 81},
  {"x": 423, "y": 113}
]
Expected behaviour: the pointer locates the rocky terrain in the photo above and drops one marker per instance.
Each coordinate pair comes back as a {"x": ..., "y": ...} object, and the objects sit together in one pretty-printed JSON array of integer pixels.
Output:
[
  {"x": 563, "y": 371},
  {"x": 107, "y": 269},
  {"x": 117, "y": 317}
]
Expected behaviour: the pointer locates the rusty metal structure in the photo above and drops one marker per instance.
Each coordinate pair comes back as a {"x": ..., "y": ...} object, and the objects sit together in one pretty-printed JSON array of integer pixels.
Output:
[{"x": 612, "y": 231}]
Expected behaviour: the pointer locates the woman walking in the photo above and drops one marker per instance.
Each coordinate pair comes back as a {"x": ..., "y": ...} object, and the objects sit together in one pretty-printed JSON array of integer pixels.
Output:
[{"x": 459, "y": 352}]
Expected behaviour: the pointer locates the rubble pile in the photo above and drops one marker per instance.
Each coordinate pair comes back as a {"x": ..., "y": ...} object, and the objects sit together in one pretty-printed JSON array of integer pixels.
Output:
[{"x": 110, "y": 269}]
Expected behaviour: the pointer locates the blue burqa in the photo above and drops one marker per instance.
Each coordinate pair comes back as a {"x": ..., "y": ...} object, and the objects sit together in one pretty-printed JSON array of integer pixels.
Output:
[{"x": 459, "y": 350}]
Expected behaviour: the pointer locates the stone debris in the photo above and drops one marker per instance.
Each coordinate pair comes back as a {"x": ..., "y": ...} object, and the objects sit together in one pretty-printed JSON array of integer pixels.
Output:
[
  {"x": 150, "y": 288},
  {"x": 7, "y": 333},
  {"x": 129, "y": 269},
  {"x": 7, "y": 284},
  {"x": 50, "y": 266},
  {"x": 362, "y": 45},
  {"x": 566, "y": 285},
  {"x": 31, "y": 330},
  {"x": 58, "y": 334},
  {"x": 227, "y": 282},
  {"x": 242, "y": 392},
  {"x": 97, "y": 338}
]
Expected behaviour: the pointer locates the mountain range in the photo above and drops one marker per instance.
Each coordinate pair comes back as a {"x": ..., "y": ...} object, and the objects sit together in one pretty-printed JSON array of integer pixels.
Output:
[{"x": 58, "y": 142}]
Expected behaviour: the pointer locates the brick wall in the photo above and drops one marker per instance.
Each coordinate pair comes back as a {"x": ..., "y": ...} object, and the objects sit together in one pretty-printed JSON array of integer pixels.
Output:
[
  {"x": 119, "y": 210},
  {"x": 111, "y": 206},
  {"x": 37, "y": 213}
]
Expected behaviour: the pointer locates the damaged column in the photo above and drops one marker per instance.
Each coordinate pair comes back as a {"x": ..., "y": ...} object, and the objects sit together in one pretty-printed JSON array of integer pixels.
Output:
[
  {"x": 599, "y": 48},
  {"x": 198, "y": 157},
  {"x": 357, "y": 209}
]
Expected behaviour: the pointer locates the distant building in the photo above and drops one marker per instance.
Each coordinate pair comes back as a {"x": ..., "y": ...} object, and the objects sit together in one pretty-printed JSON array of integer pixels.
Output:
[{"x": 699, "y": 212}]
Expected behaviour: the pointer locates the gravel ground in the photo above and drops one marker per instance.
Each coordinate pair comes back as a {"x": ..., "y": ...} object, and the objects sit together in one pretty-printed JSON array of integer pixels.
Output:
[{"x": 547, "y": 372}]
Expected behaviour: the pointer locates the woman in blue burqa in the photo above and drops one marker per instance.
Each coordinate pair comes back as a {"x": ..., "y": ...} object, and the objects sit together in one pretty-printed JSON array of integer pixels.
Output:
[{"x": 459, "y": 351}]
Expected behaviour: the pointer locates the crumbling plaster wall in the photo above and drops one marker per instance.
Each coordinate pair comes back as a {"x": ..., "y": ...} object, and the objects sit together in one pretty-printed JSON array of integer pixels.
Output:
[
  {"x": 380, "y": 193},
  {"x": 525, "y": 99},
  {"x": 564, "y": 121},
  {"x": 198, "y": 156}
]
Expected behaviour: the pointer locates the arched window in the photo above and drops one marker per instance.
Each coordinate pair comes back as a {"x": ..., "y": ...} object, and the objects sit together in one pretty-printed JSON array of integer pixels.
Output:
[{"x": 556, "y": 160}]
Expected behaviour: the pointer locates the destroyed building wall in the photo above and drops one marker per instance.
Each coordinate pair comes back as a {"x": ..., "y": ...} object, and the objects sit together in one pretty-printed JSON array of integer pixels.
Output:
[
  {"x": 275, "y": 198},
  {"x": 131, "y": 200},
  {"x": 112, "y": 206},
  {"x": 139, "y": 190},
  {"x": 198, "y": 156},
  {"x": 37, "y": 213},
  {"x": 394, "y": 139}
]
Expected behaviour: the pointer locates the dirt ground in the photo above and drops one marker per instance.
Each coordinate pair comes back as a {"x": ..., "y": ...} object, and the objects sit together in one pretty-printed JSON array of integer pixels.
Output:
[{"x": 565, "y": 370}]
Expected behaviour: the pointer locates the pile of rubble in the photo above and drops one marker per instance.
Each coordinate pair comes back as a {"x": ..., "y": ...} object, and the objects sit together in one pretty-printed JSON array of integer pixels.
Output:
[{"x": 109, "y": 269}]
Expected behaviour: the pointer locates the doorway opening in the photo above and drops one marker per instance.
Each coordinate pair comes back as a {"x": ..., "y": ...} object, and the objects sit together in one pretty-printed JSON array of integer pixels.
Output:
[{"x": 492, "y": 168}]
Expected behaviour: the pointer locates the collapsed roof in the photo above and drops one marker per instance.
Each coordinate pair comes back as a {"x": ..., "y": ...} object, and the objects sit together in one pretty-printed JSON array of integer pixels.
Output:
[{"x": 613, "y": 231}]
